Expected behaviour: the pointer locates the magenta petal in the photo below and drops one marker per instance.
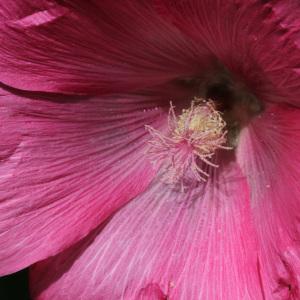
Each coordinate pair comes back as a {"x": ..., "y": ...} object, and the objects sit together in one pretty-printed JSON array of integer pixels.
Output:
[
  {"x": 64, "y": 168},
  {"x": 194, "y": 245},
  {"x": 257, "y": 42},
  {"x": 269, "y": 154},
  {"x": 94, "y": 46}
]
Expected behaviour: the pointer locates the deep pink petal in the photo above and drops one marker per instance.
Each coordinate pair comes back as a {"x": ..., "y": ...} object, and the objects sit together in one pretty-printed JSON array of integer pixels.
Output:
[
  {"x": 257, "y": 42},
  {"x": 94, "y": 46},
  {"x": 269, "y": 154},
  {"x": 65, "y": 167},
  {"x": 164, "y": 245}
]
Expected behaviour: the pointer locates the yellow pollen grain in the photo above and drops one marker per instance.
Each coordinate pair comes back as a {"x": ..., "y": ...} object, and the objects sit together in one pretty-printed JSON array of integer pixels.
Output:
[{"x": 201, "y": 117}]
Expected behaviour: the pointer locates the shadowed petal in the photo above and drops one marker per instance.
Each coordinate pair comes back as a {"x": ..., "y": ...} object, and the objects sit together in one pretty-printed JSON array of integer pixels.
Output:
[
  {"x": 94, "y": 46},
  {"x": 65, "y": 167},
  {"x": 254, "y": 41},
  {"x": 269, "y": 154},
  {"x": 164, "y": 245}
]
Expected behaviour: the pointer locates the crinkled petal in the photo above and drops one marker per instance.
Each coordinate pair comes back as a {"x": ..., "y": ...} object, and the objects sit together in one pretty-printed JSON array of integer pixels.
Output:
[
  {"x": 269, "y": 154},
  {"x": 254, "y": 40},
  {"x": 65, "y": 167},
  {"x": 164, "y": 245},
  {"x": 94, "y": 47}
]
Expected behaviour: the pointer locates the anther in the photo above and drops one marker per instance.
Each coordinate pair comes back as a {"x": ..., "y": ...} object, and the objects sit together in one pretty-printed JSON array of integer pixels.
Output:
[{"x": 192, "y": 139}]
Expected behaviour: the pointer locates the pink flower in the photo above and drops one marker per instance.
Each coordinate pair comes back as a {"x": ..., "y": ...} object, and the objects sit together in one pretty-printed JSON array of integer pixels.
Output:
[{"x": 82, "y": 196}]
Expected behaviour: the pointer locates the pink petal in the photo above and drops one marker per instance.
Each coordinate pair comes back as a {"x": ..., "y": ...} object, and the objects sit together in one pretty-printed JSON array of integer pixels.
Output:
[
  {"x": 94, "y": 46},
  {"x": 255, "y": 42},
  {"x": 20, "y": 8},
  {"x": 269, "y": 154},
  {"x": 65, "y": 167},
  {"x": 164, "y": 245}
]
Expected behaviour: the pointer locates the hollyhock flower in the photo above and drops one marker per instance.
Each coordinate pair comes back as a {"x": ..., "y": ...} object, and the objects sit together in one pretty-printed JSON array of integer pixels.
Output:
[{"x": 108, "y": 191}]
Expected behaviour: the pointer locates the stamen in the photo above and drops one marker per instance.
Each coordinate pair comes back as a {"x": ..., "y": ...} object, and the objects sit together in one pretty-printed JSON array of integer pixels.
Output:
[{"x": 191, "y": 141}]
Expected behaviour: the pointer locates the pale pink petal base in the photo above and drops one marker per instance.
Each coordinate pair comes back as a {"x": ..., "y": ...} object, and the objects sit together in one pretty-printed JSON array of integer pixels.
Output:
[
  {"x": 164, "y": 245},
  {"x": 66, "y": 167}
]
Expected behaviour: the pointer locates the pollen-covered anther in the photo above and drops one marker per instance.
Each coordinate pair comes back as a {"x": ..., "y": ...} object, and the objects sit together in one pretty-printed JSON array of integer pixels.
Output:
[{"x": 185, "y": 151}]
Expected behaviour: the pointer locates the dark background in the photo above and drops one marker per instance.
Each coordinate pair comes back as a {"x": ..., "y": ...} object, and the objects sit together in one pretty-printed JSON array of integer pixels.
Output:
[{"x": 15, "y": 286}]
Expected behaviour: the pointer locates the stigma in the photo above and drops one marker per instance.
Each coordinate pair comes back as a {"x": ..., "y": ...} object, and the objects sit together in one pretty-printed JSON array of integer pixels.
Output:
[{"x": 185, "y": 152}]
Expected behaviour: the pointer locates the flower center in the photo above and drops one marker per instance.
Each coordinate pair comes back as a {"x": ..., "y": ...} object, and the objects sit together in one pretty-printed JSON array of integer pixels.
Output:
[
  {"x": 186, "y": 150},
  {"x": 233, "y": 96},
  {"x": 237, "y": 103}
]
